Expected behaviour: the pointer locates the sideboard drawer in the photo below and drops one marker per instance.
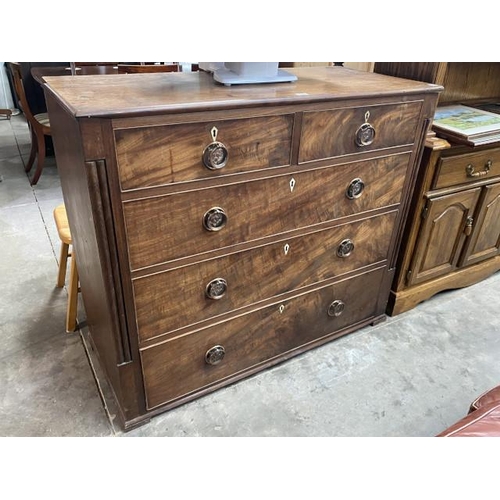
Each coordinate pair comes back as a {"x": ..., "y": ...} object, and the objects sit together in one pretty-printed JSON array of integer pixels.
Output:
[
  {"x": 173, "y": 299},
  {"x": 170, "y": 227},
  {"x": 152, "y": 156},
  {"x": 181, "y": 366},
  {"x": 466, "y": 168},
  {"x": 337, "y": 132}
]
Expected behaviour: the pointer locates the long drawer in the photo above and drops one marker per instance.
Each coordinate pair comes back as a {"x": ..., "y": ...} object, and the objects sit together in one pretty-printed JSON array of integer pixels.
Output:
[
  {"x": 193, "y": 362},
  {"x": 465, "y": 168},
  {"x": 343, "y": 131},
  {"x": 170, "y": 300},
  {"x": 152, "y": 156},
  {"x": 170, "y": 227}
]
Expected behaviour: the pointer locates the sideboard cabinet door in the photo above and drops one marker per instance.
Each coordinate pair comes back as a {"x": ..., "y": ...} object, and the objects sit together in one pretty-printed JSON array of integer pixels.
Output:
[{"x": 443, "y": 234}]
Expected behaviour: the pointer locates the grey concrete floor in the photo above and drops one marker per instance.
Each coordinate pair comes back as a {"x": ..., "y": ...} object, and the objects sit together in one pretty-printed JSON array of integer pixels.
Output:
[{"x": 412, "y": 375}]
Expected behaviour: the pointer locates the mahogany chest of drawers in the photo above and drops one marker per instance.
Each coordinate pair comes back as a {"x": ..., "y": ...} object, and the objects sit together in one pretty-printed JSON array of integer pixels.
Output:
[{"x": 221, "y": 230}]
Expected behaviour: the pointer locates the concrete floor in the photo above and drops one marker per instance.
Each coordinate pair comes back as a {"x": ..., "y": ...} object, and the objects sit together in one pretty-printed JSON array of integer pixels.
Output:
[{"x": 412, "y": 375}]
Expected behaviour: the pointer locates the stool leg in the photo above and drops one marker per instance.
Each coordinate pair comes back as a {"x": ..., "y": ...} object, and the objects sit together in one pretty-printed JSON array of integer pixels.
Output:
[
  {"x": 72, "y": 296},
  {"x": 63, "y": 259}
]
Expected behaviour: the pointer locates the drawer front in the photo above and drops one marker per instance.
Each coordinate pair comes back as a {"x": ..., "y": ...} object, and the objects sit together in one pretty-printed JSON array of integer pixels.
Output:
[
  {"x": 337, "y": 132},
  {"x": 466, "y": 168},
  {"x": 174, "y": 299},
  {"x": 153, "y": 156},
  {"x": 179, "y": 366},
  {"x": 169, "y": 227}
]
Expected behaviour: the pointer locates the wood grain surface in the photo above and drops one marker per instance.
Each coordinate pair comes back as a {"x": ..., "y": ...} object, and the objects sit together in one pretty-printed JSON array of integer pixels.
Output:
[
  {"x": 177, "y": 367},
  {"x": 150, "y": 94},
  {"x": 151, "y": 156},
  {"x": 170, "y": 227},
  {"x": 326, "y": 134},
  {"x": 170, "y": 300}
]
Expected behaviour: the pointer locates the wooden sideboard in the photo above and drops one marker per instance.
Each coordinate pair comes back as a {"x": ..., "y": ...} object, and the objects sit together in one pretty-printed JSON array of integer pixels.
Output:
[
  {"x": 452, "y": 238},
  {"x": 221, "y": 230}
]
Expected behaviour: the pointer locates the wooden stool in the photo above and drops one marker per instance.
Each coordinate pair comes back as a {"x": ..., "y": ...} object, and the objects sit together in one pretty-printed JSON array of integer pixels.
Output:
[{"x": 65, "y": 235}]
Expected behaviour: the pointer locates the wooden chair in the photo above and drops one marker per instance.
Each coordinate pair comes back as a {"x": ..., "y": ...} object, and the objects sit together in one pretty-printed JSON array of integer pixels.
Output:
[
  {"x": 39, "y": 124},
  {"x": 64, "y": 232}
]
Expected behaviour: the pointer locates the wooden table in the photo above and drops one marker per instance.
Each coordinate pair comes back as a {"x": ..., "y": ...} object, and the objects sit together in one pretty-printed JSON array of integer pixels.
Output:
[{"x": 40, "y": 72}]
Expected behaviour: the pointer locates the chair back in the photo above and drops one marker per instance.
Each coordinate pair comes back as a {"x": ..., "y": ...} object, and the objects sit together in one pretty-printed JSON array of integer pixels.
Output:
[
  {"x": 17, "y": 79},
  {"x": 148, "y": 68}
]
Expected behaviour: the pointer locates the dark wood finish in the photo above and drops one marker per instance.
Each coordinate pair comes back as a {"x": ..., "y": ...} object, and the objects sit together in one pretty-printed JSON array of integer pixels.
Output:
[
  {"x": 147, "y": 68},
  {"x": 441, "y": 249},
  {"x": 170, "y": 300},
  {"x": 40, "y": 73},
  {"x": 177, "y": 367},
  {"x": 326, "y": 134},
  {"x": 151, "y": 156},
  {"x": 39, "y": 125},
  {"x": 129, "y": 152},
  {"x": 256, "y": 209},
  {"x": 124, "y": 96}
]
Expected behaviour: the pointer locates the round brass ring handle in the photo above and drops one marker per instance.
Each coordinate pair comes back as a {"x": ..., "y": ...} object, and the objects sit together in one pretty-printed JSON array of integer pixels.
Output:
[
  {"x": 355, "y": 189},
  {"x": 215, "y": 355},
  {"x": 215, "y": 156},
  {"x": 345, "y": 248},
  {"x": 365, "y": 135},
  {"x": 214, "y": 219},
  {"x": 216, "y": 289},
  {"x": 336, "y": 308}
]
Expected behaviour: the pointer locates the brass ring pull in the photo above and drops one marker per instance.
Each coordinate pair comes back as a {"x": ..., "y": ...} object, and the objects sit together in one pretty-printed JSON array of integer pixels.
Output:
[
  {"x": 336, "y": 308},
  {"x": 214, "y": 219},
  {"x": 365, "y": 134},
  {"x": 216, "y": 289},
  {"x": 469, "y": 169},
  {"x": 215, "y": 355},
  {"x": 215, "y": 155},
  {"x": 355, "y": 189},
  {"x": 345, "y": 248}
]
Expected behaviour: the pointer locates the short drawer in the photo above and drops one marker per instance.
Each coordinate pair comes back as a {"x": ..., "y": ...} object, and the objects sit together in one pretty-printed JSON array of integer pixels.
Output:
[
  {"x": 338, "y": 132},
  {"x": 152, "y": 156},
  {"x": 186, "y": 364},
  {"x": 170, "y": 227},
  {"x": 170, "y": 300},
  {"x": 465, "y": 168}
]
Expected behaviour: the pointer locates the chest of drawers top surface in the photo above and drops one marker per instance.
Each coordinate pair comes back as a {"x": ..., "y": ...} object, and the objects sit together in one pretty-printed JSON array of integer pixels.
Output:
[{"x": 135, "y": 95}]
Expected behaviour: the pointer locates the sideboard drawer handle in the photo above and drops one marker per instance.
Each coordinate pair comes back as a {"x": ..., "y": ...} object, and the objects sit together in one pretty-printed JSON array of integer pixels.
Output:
[
  {"x": 215, "y": 155},
  {"x": 215, "y": 355},
  {"x": 336, "y": 308},
  {"x": 365, "y": 134},
  {"x": 345, "y": 248},
  {"x": 214, "y": 219},
  {"x": 469, "y": 169},
  {"x": 216, "y": 289}
]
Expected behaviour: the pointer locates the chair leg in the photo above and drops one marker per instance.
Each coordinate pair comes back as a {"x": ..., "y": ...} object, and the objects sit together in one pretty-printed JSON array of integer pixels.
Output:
[
  {"x": 72, "y": 296},
  {"x": 63, "y": 260},
  {"x": 32, "y": 152},
  {"x": 40, "y": 159}
]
